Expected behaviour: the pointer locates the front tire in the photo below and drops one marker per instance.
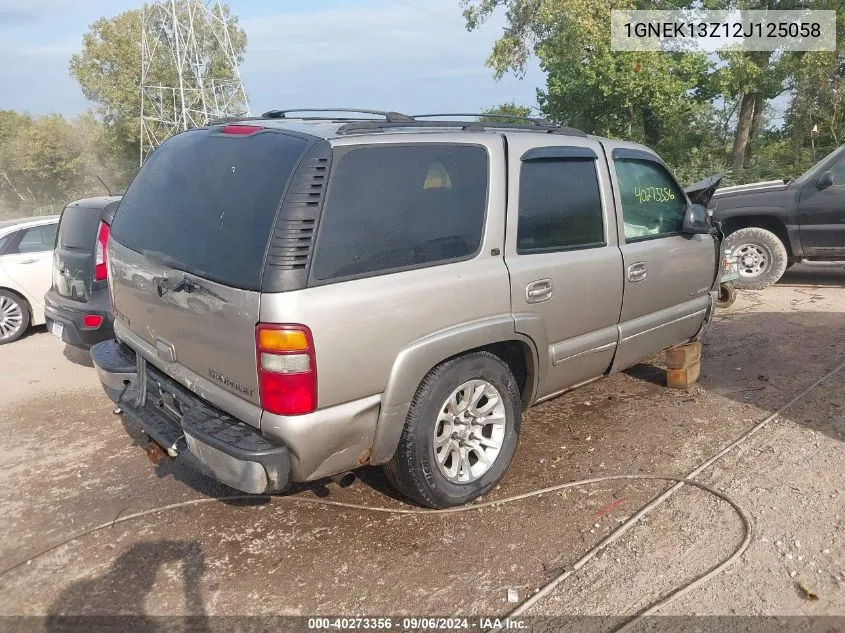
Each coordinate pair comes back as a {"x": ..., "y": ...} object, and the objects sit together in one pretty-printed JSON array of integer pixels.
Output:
[
  {"x": 14, "y": 317},
  {"x": 762, "y": 257},
  {"x": 460, "y": 434}
]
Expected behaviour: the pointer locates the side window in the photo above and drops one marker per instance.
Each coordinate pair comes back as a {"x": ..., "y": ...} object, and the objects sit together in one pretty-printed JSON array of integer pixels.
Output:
[
  {"x": 652, "y": 204},
  {"x": 37, "y": 239},
  {"x": 396, "y": 207},
  {"x": 559, "y": 206}
]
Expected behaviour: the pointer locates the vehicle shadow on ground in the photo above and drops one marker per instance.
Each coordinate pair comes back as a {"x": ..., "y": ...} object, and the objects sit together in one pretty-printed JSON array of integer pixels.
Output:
[
  {"x": 765, "y": 358},
  {"x": 78, "y": 356},
  {"x": 91, "y": 604},
  {"x": 32, "y": 331},
  {"x": 814, "y": 275}
]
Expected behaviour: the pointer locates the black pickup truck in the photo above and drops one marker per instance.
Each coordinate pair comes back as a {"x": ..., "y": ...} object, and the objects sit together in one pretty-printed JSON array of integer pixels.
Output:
[{"x": 772, "y": 225}]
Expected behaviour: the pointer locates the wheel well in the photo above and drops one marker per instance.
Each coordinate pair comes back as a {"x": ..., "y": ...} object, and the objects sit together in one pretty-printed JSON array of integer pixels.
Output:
[
  {"x": 732, "y": 225},
  {"x": 519, "y": 358},
  {"x": 22, "y": 298}
]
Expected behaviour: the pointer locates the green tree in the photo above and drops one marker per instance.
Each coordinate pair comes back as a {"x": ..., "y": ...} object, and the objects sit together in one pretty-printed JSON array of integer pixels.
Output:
[
  {"x": 751, "y": 79},
  {"x": 510, "y": 109},
  {"x": 108, "y": 69},
  {"x": 819, "y": 89},
  {"x": 650, "y": 97},
  {"x": 48, "y": 161},
  {"x": 693, "y": 111}
]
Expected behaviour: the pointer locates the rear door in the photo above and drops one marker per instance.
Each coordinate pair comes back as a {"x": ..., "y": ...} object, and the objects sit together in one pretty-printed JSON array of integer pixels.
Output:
[
  {"x": 28, "y": 262},
  {"x": 821, "y": 215},
  {"x": 186, "y": 257},
  {"x": 562, "y": 255},
  {"x": 668, "y": 275}
]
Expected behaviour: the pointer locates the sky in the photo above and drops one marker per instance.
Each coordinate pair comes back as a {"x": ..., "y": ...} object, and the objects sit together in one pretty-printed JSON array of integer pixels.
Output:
[{"x": 412, "y": 56}]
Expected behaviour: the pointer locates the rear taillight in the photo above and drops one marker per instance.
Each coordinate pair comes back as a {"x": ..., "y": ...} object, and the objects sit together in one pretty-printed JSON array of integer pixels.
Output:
[
  {"x": 92, "y": 321},
  {"x": 100, "y": 253},
  {"x": 242, "y": 129},
  {"x": 287, "y": 368}
]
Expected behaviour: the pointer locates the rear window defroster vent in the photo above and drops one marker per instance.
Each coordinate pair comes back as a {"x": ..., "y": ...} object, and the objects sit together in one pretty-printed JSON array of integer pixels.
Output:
[{"x": 291, "y": 244}]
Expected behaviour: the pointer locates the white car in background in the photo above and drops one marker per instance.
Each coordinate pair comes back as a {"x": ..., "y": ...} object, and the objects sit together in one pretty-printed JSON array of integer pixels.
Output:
[{"x": 26, "y": 270}]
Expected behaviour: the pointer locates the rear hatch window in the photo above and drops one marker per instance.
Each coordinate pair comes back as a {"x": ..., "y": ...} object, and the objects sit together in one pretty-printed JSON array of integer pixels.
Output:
[
  {"x": 205, "y": 202},
  {"x": 73, "y": 269}
]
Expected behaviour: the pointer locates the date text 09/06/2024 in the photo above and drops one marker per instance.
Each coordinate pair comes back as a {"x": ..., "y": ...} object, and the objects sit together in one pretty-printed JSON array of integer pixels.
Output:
[{"x": 415, "y": 624}]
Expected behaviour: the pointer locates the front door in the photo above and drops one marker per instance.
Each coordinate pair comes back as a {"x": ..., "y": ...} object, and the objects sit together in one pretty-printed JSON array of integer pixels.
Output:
[
  {"x": 821, "y": 215},
  {"x": 562, "y": 255},
  {"x": 668, "y": 274}
]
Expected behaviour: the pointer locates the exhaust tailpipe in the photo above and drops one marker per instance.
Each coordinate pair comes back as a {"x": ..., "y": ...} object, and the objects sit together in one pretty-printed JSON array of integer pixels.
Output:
[{"x": 344, "y": 479}]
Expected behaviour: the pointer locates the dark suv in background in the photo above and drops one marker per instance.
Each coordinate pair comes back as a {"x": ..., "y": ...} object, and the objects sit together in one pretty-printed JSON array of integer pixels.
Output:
[{"x": 78, "y": 307}]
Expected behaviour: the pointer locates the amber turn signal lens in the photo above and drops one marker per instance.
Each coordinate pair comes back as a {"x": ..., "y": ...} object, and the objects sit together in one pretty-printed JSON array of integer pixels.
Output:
[{"x": 282, "y": 340}]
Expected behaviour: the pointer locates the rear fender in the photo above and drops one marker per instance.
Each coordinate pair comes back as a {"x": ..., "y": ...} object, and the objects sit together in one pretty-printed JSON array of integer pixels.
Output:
[{"x": 415, "y": 361}]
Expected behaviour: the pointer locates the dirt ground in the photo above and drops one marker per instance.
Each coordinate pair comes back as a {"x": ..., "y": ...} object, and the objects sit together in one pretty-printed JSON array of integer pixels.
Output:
[{"x": 68, "y": 463}]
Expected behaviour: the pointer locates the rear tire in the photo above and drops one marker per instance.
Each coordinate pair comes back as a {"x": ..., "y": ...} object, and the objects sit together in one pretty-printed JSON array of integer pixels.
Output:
[
  {"x": 460, "y": 434},
  {"x": 762, "y": 257},
  {"x": 14, "y": 317}
]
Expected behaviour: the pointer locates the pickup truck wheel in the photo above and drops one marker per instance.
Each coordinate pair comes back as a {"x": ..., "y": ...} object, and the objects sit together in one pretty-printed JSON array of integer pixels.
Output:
[
  {"x": 14, "y": 317},
  {"x": 460, "y": 433},
  {"x": 762, "y": 257}
]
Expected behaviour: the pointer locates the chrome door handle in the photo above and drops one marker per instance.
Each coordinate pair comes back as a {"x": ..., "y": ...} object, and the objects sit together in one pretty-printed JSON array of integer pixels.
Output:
[
  {"x": 28, "y": 261},
  {"x": 540, "y": 290},
  {"x": 637, "y": 272}
]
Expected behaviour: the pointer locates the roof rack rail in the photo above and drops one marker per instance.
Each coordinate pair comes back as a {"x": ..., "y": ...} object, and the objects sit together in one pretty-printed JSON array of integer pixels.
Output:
[
  {"x": 364, "y": 127},
  {"x": 390, "y": 117},
  {"x": 492, "y": 115}
]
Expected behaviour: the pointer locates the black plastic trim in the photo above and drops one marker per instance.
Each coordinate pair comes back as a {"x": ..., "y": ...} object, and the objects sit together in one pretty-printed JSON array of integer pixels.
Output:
[
  {"x": 559, "y": 152},
  {"x": 636, "y": 154},
  {"x": 291, "y": 245}
]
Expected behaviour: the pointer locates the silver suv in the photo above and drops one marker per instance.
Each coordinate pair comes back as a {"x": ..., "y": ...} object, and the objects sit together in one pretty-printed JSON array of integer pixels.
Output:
[{"x": 296, "y": 296}]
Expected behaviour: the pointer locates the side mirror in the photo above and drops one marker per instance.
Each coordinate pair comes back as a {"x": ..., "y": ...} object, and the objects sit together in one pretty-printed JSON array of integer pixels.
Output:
[
  {"x": 825, "y": 180},
  {"x": 697, "y": 221}
]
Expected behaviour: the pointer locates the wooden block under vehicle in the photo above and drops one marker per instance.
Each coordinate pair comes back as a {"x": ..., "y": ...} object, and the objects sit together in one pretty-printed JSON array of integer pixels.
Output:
[
  {"x": 683, "y": 356},
  {"x": 683, "y": 378}
]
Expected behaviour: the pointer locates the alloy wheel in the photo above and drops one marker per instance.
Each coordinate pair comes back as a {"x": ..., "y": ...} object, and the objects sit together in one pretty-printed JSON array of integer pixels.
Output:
[
  {"x": 470, "y": 431},
  {"x": 11, "y": 317}
]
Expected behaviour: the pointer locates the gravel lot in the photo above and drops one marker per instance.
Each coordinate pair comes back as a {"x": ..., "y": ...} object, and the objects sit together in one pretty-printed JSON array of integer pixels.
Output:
[{"x": 69, "y": 464}]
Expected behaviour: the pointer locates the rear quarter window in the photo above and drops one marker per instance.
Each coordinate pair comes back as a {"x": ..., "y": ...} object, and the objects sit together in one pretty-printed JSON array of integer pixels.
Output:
[
  {"x": 205, "y": 202},
  {"x": 392, "y": 208}
]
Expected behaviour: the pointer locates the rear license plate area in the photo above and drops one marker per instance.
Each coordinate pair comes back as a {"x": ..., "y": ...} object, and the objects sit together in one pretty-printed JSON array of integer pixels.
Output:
[{"x": 165, "y": 399}]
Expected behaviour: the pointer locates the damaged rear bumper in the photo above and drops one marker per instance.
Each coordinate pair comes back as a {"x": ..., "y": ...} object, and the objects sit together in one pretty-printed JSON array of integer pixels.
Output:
[{"x": 188, "y": 428}]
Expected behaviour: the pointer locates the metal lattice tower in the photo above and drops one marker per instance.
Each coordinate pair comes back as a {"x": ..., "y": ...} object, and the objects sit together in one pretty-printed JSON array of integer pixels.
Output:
[{"x": 189, "y": 69}]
